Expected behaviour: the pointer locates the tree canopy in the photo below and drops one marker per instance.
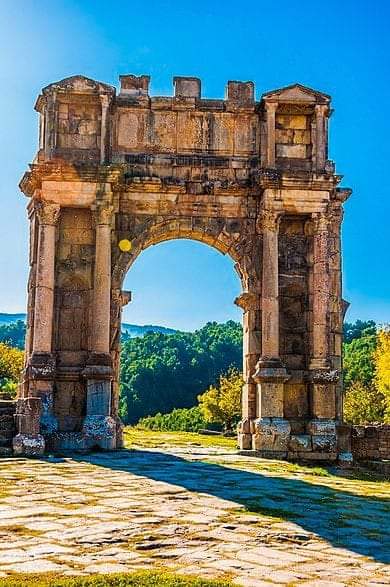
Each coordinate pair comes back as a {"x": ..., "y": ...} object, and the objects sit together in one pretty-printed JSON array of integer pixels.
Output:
[{"x": 160, "y": 372}]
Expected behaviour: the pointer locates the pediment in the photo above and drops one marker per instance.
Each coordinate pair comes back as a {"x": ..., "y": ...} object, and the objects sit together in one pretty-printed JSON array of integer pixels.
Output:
[
  {"x": 297, "y": 93},
  {"x": 79, "y": 84}
]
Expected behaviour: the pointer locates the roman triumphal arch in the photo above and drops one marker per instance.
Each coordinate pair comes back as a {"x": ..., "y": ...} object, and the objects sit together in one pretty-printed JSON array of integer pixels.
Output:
[{"x": 117, "y": 172}]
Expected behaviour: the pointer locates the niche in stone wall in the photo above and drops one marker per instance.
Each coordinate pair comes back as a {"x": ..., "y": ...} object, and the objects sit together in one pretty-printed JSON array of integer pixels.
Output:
[
  {"x": 293, "y": 293},
  {"x": 293, "y": 136},
  {"x": 78, "y": 125},
  {"x": 73, "y": 303}
]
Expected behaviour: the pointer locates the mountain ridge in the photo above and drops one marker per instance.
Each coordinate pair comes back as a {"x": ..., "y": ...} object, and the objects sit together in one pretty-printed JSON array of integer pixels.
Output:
[{"x": 132, "y": 330}]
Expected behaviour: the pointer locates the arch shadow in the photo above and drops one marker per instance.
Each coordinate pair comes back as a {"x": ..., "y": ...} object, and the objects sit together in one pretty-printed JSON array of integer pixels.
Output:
[{"x": 344, "y": 519}]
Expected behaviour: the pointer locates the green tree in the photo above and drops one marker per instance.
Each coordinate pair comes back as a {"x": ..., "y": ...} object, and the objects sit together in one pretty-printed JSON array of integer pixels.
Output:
[
  {"x": 11, "y": 365},
  {"x": 382, "y": 368},
  {"x": 363, "y": 404},
  {"x": 182, "y": 419},
  {"x": 13, "y": 334},
  {"x": 222, "y": 403},
  {"x": 354, "y": 330},
  {"x": 160, "y": 372},
  {"x": 358, "y": 361}
]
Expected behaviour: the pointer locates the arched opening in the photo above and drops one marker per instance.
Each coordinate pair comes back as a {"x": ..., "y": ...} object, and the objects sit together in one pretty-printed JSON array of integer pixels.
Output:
[{"x": 182, "y": 306}]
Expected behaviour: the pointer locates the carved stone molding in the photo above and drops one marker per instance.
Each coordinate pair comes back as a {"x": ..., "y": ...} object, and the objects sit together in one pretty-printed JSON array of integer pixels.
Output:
[
  {"x": 268, "y": 220},
  {"x": 248, "y": 301},
  {"x": 324, "y": 376},
  {"x": 121, "y": 297},
  {"x": 48, "y": 213},
  {"x": 321, "y": 222},
  {"x": 103, "y": 214}
]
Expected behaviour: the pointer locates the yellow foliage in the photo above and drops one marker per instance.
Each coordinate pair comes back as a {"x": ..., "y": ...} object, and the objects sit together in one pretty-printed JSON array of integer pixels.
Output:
[
  {"x": 222, "y": 404},
  {"x": 382, "y": 367},
  {"x": 11, "y": 362}
]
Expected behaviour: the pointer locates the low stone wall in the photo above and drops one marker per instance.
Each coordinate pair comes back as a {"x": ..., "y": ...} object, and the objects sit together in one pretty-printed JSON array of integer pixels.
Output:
[
  {"x": 371, "y": 442},
  {"x": 7, "y": 426}
]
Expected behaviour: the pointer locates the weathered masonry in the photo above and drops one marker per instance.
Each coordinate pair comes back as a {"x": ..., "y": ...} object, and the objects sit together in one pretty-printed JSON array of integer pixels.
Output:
[{"x": 118, "y": 172}]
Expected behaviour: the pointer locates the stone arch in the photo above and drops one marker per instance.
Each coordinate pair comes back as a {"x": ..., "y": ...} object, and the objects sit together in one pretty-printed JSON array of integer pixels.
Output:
[
  {"x": 250, "y": 179},
  {"x": 223, "y": 235}
]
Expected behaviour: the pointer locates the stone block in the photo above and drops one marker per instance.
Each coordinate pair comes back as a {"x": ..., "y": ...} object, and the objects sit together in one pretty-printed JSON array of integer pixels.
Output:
[
  {"x": 271, "y": 399},
  {"x": 245, "y": 441},
  {"x": 301, "y": 137},
  {"x": 322, "y": 427},
  {"x": 242, "y": 93},
  {"x": 99, "y": 397},
  {"x": 324, "y": 442},
  {"x": 134, "y": 85},
  {"x": 271, "y": 434},
  {"x": 28, "y": 445},
  {"x": 293, "y": 122},
  {"x": 300, "y": 443},
  {"x": 99, "y": 431},
  {"x": 297, "y": 426},
  {"x": 291, "y": 151},
  {"x": 187, "y": 87},
  {"x": 324, "y": 400},
  {"x": 284, "y": 136},
  {"x": 295, "y": 400}
]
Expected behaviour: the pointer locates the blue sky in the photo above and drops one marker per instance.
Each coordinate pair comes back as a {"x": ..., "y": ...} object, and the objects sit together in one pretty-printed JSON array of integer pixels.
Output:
[{"x": 341, "y": 48}]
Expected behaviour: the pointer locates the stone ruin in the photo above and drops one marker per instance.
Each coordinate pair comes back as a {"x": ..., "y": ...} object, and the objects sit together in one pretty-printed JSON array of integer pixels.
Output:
[{"x": 118, "y": 172}]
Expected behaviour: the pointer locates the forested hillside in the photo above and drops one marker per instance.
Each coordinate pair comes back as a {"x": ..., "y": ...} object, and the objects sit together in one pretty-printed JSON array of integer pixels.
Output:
[
  {"x": 161, "y": 372},
  {"x": 164, "y": 370}
]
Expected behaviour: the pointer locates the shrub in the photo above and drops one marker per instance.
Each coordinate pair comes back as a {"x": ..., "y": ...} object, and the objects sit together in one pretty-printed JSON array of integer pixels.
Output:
[
  {"x": 222, "y": 404},
  {"x": 363, "y": 404},
  {"x": 184, "y": 419}
]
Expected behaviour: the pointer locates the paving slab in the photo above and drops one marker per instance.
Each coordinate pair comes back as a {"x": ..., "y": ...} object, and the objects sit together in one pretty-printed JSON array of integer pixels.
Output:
[{"x": 199, "y": 511}]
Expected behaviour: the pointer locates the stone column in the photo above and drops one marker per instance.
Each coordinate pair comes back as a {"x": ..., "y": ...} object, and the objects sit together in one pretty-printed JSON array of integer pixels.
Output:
[
  {"x": 270, "y": 108},
  {"x": 320, "y": 292},
  {"x": 323, "y": 379},
  {"x": 103, "y": 131},
  {"x": 119, "y": 299},
  {"x": 272, "y": 431},
  {"x": 99, "y": 427},
  {"x": 321, "y": 111},
  {"x": 102, "y": 282},
  {"x": 48, "y": 215},
  {"x": 250, "y": 303},
  {"x": 35, "y": 412}
]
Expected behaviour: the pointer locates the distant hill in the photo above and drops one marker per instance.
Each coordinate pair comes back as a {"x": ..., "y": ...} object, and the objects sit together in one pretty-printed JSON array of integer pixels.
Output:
[
  {"x": 132, "y": 330},
  {"x": 10, "y": 318}
]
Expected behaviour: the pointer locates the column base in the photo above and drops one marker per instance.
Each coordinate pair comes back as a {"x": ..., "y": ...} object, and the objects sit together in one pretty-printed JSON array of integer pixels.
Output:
[
  {"x": 99, "y": 431},
  {"x": 28, "y": 445},
  {"x": 323, "y": 435},
  {"x": 271, "y": 437},
  {"x": 244, "y": 434}
]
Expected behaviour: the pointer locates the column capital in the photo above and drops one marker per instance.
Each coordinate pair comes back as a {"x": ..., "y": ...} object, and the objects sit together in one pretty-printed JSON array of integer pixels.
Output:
[
  {"x": 336, "y": 216},
  {"x": 248, "y": 300},
  {"x": 269, "y": 220},
  {"x": 103, "y": 214},
  {"x": 48, "y": 213},
  {"x": 121, "y": 297},
  {"x": 321, "y": 222},
  {"x": 271, "y": 106},
  {"x": 321, "y": 109},
  {"x": 105, "y": 100}
]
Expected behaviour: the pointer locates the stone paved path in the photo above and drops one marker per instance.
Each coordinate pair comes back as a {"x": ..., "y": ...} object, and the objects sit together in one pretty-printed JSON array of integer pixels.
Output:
[{"x": 207, "y": 512}]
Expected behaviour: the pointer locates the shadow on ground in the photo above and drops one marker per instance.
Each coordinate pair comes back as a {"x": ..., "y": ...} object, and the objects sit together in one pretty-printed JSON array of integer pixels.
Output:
[{"x": 358, "y": 523}]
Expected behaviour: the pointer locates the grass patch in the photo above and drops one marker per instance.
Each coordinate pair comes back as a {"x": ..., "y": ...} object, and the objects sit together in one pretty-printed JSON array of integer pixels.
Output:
[
  {"x": 137, "y": 579},
  {"x": 254, "y": 507},
  {"x": 155, "y": 439}
]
